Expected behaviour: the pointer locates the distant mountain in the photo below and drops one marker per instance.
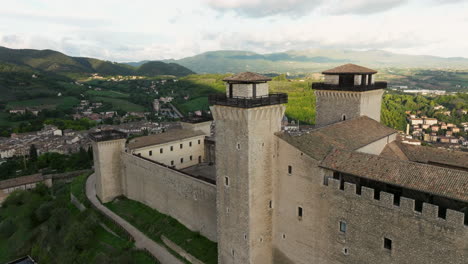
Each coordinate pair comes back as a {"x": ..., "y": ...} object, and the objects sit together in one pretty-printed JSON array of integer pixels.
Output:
[
  {"x": 310, "y": 61},
  {"x": 153, "y": 68},
  {"x": 56, "y": 62}
]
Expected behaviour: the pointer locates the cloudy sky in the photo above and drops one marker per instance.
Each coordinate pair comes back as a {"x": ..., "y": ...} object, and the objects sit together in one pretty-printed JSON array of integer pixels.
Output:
[{"x": 123, "y": 30}]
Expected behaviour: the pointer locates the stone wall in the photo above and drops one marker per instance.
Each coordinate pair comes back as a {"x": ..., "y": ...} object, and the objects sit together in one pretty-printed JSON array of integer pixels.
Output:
[
  {"x": 371, "y": 103},
  {"x": 245, "y": 89},
  {"x": 189, "y": 200},
  {"x": 245, "y": 149},
  {"x": 316, "y": 237},
  {"x": 377, "y": 147},
  {"x": 335, "y": 106},
  {"x": 205, "y": 127},
  {"x": 191, "y": 153},
  {"x": 107, "y": 166}
]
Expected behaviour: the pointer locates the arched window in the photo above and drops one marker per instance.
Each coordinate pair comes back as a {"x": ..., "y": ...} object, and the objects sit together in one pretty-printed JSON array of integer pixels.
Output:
[{"x": 343, "y": 117}]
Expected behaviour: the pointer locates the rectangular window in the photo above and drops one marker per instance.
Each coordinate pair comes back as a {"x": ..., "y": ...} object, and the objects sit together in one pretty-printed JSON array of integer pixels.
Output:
[
  {"x": 199, "y": 142},
  {"x": 289, "y": 169},
  {"x": 271, "y": 204},
  {"x": 161, "y": 150},
  {"x": 181, "y": 146},
  {"x": 181, "y": 160},
  {"x": 226, "y": 180},
  {"x": 190, "y": 143},
  {"x": 343, "y": 226},
  {"x": 151, "y": 153},
  {"x": 172, "y": 148},
  {"x": 418, "y": 205},
  {"x": 199, "y": 159},
  {"x": 299, "y": 212},
  {"x": 191, "y": 157},
  {"x": 172, "y": 162},
  {"x": 387, "y": 243}
]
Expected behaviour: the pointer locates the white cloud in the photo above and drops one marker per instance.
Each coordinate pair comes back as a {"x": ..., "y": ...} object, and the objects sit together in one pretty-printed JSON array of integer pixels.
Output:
[
  {"x": 263, "y": 8},
  {"x": 145, "y": 29}
]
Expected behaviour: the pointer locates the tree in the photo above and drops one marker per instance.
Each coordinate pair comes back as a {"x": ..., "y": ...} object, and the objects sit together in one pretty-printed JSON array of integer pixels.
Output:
[{"x": 33, "y": 153}]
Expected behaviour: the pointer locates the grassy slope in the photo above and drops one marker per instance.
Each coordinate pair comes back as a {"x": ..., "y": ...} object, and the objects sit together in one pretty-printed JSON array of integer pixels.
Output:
[
  {"x": 121, "y": 104},
  {"x": 102, "y": 244},
  {"x": 48, "y": 102},
  {"x": 110, "y": 94},
  {"x": 155, "y": 224}
]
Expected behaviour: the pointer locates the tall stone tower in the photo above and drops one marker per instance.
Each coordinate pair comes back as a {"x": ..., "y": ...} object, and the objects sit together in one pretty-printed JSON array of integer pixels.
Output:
[
  {"x": 246, "y": 119},
  {"x": 107, "y": 149},
  {"x": 349, "y": 91}
]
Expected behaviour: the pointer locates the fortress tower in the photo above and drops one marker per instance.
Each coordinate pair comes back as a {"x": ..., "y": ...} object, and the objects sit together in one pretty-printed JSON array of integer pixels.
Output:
[
  {"x": 349, "y": 91},
  {"x": 246, "y": 119},
  {"x": 107, "y": 148}
]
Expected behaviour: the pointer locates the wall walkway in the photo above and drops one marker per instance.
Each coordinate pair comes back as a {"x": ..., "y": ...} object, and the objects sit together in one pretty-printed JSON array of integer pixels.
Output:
[{"x": 141, "y": 240}]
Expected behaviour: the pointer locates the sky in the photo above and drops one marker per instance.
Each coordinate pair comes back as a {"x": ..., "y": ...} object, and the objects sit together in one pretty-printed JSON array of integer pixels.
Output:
[{"x": 124, "y": 30}]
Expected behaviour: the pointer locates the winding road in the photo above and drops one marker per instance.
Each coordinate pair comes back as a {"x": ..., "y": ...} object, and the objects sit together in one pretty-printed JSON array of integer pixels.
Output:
[{"x": 141, "y": 240}]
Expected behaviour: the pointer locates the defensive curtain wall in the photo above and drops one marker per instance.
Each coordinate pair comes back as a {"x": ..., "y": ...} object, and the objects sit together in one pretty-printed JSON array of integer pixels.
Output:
[
  {"x": 315, "y": 236},
  {"x": 190, "y": 200}
]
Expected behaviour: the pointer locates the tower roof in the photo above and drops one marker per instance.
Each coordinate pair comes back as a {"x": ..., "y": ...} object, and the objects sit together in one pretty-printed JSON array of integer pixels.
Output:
[
  {"x": 350, "y": 69},
  {"x": 247, "y": 77}
]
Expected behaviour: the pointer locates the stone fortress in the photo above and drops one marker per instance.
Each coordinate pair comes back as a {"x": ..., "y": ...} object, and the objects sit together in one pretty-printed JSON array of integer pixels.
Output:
[{"x": 344, "y": 191}]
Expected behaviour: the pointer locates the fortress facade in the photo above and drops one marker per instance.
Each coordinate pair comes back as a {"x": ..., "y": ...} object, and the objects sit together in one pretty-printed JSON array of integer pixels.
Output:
[{"x": 344, "y": 191}]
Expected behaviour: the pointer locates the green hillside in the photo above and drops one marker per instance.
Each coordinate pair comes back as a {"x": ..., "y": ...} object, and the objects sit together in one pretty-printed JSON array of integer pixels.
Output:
[
  {"x": 56, "y": 62},
  {"x": 154, "y": 68},
  {"x": 307, "y": 61}
]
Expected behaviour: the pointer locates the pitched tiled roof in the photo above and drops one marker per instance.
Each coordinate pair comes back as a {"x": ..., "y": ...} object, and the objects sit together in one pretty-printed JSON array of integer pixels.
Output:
[
  {"x": 440, "y": 181},
  {"x": 247, "y": 77},
  {"x": 21, "y": 181},
  {"x": 350, "y": 69},
  {"x": 429, "y": 155},
  {"x": 350, "y": 134},
  {"x": 170, "y": 135}
]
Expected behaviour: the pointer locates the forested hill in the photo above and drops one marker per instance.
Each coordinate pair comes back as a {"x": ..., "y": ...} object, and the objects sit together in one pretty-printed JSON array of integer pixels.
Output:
[{"x": 56, "y": 62}]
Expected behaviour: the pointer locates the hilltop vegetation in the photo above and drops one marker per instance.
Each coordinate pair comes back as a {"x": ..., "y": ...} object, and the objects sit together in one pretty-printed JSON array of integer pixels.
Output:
[
  {"x": 395, "y": 105},
  {"x": 56, "y": 62},
  {"x": 50, "y": 229}
]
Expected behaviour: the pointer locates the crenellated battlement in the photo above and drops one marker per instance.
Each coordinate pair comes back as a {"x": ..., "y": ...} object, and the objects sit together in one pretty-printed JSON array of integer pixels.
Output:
[
  {"x": 429, "y": 212},
  {"x": 339, "y": 94}
]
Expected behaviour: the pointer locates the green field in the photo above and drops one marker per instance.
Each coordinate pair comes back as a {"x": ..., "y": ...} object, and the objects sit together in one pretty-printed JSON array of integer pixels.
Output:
[
  {"x": 200, "y": 103},
  {"x": 110, "y": 94},
  {"x": 4, "y": 121},
  {"x": 155, "y": 224},
  {"x": 120, "y": 104},
  {"x": 66, "y": 102},
  {"x": 301, "y": 99}
]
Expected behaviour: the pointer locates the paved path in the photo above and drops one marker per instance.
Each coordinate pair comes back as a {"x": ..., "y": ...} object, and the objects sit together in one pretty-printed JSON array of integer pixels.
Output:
[{"x": 141, "y": 240}]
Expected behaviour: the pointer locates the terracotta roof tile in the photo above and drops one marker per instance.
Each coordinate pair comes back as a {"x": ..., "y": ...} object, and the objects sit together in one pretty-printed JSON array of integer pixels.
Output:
[
  {"x": 427, "y": 155},
  {"x": 21, "y": 181},
  {"x": 435, "y": 180},
  {"x": 350, "y": 134},
  {"x": 349, "y": 69},
  {"x": 247, "y": 77}
]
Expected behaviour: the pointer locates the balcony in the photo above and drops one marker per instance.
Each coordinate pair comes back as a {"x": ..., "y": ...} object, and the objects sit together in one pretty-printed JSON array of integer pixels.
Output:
[
  {"x": 106, "y": 135},
  {"x": 357, "y": 88},
  {"x": 248, "y": 102}
]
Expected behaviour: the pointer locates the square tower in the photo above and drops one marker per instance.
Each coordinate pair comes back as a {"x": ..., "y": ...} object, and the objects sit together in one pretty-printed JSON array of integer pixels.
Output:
[
  {"x": 349, "y": 91},
  {"x": 107, "y": 148},
  {"x": 246, "y": 118}
]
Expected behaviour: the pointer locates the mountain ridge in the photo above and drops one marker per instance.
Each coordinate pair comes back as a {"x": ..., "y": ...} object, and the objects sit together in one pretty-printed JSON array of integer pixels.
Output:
[
  {"x": 311, "y": 60},
  {"x": 56, "y": 62}
]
